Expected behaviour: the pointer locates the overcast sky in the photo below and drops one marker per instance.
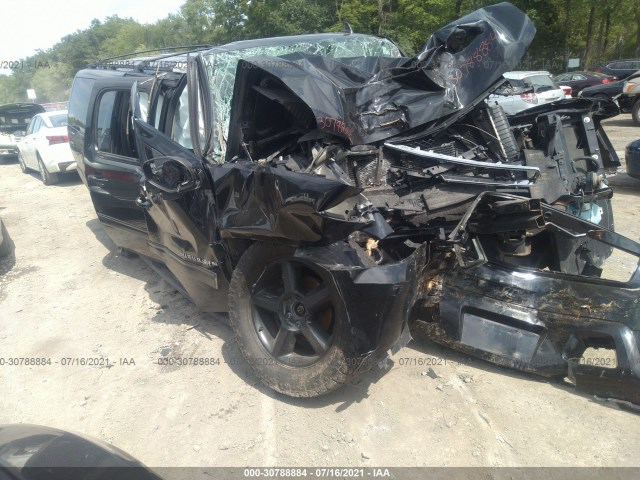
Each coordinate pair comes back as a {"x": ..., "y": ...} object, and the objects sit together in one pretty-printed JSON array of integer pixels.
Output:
[{"x": 39, "y": 24}]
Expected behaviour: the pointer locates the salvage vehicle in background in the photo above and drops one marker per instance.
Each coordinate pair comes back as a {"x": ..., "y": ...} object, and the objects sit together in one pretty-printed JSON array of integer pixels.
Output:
[
  {"x": 45, "y": 147},
  {"x": 619, "y": 68},
  {"x": 14, "y": 119},
  {"x": 579, "y": 80},
  {"x": 607, "y": 91},
  {"x": 337, "y": 193},
  {"x": 629, "y": 99},
  {"x": 526, "y": 90}
]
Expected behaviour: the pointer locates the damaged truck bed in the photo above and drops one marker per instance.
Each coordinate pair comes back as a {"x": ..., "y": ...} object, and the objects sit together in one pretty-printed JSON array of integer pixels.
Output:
[{"x": 344, "y": 194}]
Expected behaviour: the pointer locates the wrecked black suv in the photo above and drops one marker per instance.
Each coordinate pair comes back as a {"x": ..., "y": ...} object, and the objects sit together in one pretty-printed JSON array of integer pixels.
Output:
[{"x": 337, "y": 193}]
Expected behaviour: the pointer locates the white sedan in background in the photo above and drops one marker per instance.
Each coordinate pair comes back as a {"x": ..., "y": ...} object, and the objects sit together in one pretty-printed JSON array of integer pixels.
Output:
[
  {"x": 526, "y": 90},
  {"x": 45, "y": 147}
]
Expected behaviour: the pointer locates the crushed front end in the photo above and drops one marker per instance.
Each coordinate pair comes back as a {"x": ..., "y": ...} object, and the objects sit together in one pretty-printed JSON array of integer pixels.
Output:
[
  {"x": 538, "y": 321},
  {"x": 427, "y": 205}
]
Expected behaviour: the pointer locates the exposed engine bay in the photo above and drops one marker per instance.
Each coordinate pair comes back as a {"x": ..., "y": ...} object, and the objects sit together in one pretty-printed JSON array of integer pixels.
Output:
[{"x": 422, "y": 184}]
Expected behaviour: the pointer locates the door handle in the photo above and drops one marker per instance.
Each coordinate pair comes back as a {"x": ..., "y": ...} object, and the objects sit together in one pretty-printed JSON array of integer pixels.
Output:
[
  {"x": 142, "y": 202},
  {"x": 97, "y": 180}
]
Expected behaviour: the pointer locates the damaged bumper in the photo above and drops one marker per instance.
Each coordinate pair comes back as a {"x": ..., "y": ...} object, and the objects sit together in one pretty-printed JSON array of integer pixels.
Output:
[
  {"x": 537, "y": 321},
  {"x": 542, "y": 323},
  {"x": 378, "y": 298}
]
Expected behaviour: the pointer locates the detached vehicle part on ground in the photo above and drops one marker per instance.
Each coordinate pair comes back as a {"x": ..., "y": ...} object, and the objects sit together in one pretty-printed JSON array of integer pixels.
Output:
[{"x": 338, "y": 193}]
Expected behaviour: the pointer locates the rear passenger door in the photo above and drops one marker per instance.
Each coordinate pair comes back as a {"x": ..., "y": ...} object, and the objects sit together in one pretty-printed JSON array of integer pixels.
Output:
[{"x": 112, "y": 165}]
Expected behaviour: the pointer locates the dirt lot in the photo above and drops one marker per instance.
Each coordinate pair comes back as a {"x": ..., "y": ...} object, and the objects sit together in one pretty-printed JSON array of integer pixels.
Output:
[{"x": 69, "y": 295}]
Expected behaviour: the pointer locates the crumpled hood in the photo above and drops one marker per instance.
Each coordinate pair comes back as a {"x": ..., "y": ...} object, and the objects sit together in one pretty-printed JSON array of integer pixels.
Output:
[{"x": 364, "y": 100}]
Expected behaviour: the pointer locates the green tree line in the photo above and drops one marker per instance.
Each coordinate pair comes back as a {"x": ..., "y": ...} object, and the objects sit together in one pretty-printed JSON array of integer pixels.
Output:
[{"x": 591, "y": 30}]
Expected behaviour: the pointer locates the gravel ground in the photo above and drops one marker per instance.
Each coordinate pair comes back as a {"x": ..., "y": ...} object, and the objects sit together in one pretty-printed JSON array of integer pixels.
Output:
[{"x": 67, "y": 294}]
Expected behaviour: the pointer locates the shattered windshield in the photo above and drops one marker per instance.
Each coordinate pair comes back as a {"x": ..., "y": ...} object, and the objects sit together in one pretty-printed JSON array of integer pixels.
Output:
[{"x": 221, "y": 66}]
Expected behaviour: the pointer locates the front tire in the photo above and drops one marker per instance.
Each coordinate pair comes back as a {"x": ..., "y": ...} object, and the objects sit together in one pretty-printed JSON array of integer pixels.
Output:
[
  {"x": 290, "y": 322},
  {"x": 48, "y": 178}
]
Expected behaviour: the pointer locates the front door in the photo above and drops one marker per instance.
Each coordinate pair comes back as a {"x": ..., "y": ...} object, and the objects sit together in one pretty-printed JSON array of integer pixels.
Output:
[{"x": 176, "y": 191}]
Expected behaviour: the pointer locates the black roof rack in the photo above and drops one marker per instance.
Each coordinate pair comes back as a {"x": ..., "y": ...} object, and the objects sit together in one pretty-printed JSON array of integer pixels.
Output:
[{"x": 133, "y": 61}]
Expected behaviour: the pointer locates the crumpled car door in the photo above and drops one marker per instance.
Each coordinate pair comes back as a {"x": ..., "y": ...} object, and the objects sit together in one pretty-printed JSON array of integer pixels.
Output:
[{"x": 175, "y": 193}]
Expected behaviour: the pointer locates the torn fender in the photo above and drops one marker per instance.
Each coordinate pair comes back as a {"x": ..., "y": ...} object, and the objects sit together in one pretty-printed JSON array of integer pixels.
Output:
[
  {"x": 260, "y": 202},
  {"x": 364, "y": 100},
  {"x": 378, "y": 298}
]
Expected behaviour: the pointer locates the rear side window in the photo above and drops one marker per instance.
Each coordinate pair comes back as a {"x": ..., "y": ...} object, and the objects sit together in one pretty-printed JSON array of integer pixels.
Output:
[
  {"x": 539, "y": 80},
  {"x": 79, "y": 103},
  {"x": 37, "y": 125},
  {"x": 113, "y": 124},
  {"x": 32, "y": 125},
  {"x": 540, "y": 83}
]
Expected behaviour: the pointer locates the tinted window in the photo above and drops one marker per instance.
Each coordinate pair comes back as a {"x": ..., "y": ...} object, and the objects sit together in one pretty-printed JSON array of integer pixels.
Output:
[
  {"x": 564, "y": 77},
  {"x": 113, "y": 126},
  {"x": 79, "y": 103}
]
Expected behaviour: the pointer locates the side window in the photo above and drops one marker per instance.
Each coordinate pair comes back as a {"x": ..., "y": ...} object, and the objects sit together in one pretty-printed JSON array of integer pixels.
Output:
[
  {"x": 113, "y": 132},
  {"x": 144, "y": 105},
  {"x": 180, "y": 132},
  {"x": 103, "y": 123},
  {"x": 79, "y": 103},
  {"x": 158, "y": 113},
  {"x": 37, "y": 125},
  {"x": 31, "y": 126},
  {"x": 181, "y": 128}
]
